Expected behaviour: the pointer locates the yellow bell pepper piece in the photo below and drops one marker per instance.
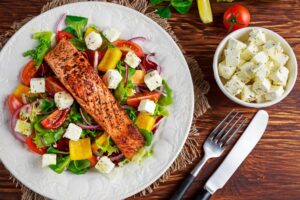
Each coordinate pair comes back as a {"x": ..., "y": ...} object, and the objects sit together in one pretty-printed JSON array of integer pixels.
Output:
[
  {"x": 138, "y": 77},
  {"x": 110, "y": 60},
  {"x": 89, "y": 30},
  {"x": 145, "y": 121},
  {"x": 100, "y": 141},
  {"x": 21, "y": 89},
  {"x": 205, "y": 11},
  {"x": 80, "y": 149}
]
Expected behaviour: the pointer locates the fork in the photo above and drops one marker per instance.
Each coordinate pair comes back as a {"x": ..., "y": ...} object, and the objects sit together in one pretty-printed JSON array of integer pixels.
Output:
[{"x": 213, "y": 147}]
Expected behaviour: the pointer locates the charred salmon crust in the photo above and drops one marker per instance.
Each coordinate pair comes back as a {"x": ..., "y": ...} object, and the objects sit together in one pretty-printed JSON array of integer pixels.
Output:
[{"x": 82, "y": 81}]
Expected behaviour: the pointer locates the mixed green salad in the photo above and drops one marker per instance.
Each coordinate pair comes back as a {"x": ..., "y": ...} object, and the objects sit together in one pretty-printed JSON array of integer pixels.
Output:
[{"x": 51, "y": 123}]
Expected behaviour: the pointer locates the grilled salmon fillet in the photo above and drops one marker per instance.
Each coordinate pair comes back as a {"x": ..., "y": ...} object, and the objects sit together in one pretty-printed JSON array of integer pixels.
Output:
[{"x": 82, "y": 81}]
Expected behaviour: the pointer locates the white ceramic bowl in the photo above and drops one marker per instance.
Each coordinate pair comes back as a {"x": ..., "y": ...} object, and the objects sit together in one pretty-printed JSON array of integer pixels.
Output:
[{"x": 242, "y": 34}]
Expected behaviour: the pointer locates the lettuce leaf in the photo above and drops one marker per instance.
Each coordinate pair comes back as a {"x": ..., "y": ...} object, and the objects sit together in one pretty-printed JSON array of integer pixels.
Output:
[
  {"x": 168, "y": 99},
  {"x": 78, "y": 24},
  {"x": 43, "y": 46},
  {"x": 61, "y": 165}
]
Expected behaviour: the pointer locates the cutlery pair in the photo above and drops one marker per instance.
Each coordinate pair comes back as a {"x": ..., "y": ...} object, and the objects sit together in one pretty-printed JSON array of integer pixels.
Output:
[{"x": 215, "y": 145}]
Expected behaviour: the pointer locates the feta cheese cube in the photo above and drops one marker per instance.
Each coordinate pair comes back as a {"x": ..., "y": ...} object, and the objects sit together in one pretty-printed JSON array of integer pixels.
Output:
[
  {"x": 112, "y": 78},
  {"x": 280, "y": 59},
  {"x": 147, "y": 106},
  {"x": 280, "y": 76},
  {"x": 234, "y": 86},
  {"x": 260, "y": 98},
  {"x": 260, "y": 57},
  {"x": 48, "y": 159},
  {"x": 274, "y": 93},
  {"x": 132, "y": 60},
  {"x": 105, "y": 165},
  {"x": 63, "y": 100},
  {"x": 248, "y": 69},
  {"x": 261, "y": 87},
  {"x": 226, "y": 71},
  {"x": 249, "y": 52},
  {"x": 272, "y": 48},
  {"x": 262, "y": 72},
  {"x": 153, "y": 80},
  {"x": 232, "y": 57},
  {"x": 247, "y": 94},
  {"x": 93, "y": 41},
  {"x": 37, "y": 85},
  {"x": 111, "y": 34},
  {"x": 23, "y": 127},
  {"x": 270, "y": 65},
  {"x": 245, "y": 78},
  {"x": 257, "y": 36},
  {"x": 235, "y": 44},
  {"x": 73, "y": 132}
]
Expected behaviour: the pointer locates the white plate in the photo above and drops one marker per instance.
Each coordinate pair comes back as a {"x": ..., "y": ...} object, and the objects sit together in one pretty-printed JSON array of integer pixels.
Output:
[{"x": 168, "y": 142}]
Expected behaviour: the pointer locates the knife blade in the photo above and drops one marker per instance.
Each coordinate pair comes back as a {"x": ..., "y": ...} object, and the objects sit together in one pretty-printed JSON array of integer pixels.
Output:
[{"x": 236, "y": 156}]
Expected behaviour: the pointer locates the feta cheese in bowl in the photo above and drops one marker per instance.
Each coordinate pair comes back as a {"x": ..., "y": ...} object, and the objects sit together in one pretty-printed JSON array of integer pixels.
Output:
[{"x": 255, "y": 67}]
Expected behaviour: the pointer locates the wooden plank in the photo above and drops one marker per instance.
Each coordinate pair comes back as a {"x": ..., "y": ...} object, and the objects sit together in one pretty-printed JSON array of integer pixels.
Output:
[{"x": 272, "y": 171}]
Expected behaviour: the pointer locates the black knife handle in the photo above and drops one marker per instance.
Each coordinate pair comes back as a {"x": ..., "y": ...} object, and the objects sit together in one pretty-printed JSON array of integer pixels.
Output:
[
  {"x": 203, "y": 195},
  {"x": 183, "y": 187}
]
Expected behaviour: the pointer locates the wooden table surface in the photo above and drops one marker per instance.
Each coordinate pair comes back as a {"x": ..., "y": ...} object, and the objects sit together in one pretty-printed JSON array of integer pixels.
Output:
[{"x": 272, "y": 170}]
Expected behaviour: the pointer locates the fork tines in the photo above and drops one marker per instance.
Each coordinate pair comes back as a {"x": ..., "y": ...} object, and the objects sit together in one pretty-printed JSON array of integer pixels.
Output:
[{"x": 224, "y": 133}]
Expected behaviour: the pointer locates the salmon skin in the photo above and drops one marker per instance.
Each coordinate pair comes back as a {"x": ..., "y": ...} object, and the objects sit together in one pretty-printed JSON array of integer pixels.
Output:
[{"x": 83, "y": 82}]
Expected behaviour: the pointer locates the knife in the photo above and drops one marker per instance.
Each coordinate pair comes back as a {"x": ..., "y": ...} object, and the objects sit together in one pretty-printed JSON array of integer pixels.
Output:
[{"x": 236, "y": 156}]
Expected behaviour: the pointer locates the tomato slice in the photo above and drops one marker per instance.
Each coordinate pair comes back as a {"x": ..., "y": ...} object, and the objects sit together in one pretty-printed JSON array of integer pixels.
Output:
[
  {"x": 53, "y": 85},
  {"x": 13, "y": 103},
  {"x": 33, "y": 147},
  {"x": 55, "y": 119},
  {"x": 63, "y": 35},
  {"x": 137, "y": 98},
  {"x": 93, "y": 161},
  {"x": 126, "y": 45},
  {"x": 29, "y": 71}
]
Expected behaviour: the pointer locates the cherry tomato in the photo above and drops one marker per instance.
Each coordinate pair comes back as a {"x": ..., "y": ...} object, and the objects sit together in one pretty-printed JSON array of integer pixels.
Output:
[
  {"x": 55, "y": 119},
  {"x": 53, "y": 85},
  {"x": 126, "y": 45},
  {"x": 63, "y": 35},
  {"x": 93, "y": 161},
  {"x": 137, "y": 98},
  {"x": 236, "y": 17},
  {"x": 29, "y": 71},
  {"x": 14, "y": 103},
  {"x": 33, "y": 147},
  {"x": 91, "y": 55}
]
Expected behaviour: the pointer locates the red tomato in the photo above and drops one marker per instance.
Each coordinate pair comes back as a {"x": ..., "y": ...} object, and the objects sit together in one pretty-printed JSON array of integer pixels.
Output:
[
  {"x": 33, "y": 147},
  {"x": 137, "y": 98},
  {"x": 13, "y": 103},
  {"x": 236, "y": 17},
  {"x": 29, "y": 71},
  {"x": 91, "y": 55},
  {"x": 55, "y": 119},
  {"x": 53, "y": 85},
  {"x": 63, "y": 144},
  {"x": 126, "y": 45},
  {"x": 93, "y": 161},
  {"x": 63, "y": 35}
]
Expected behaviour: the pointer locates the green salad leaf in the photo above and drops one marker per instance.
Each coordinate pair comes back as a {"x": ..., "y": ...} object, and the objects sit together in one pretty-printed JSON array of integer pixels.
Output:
[
  {"x": 155, "y": 2},
  {"x": 161, "y": 111},
  {"x": 108, "y": 147},
  {"x": 148, "y": 135},
  {"x": 131, "y": 113},
  {"x": 164, "y": 12},
  {"x": 168, "y": 99},
  {"x": 61, "y": 165},
  {"x": 51, "y": 137},
  {"x": 79, "y": 166},
  {"x": 91, "y": 133},
  {"x": 80, "y": 45},
  {"x": 182, "y": 6},
  {"x": 123, "y": 162},
  {"x": 46, "y": 105},
  {"x": 70, "y": 30},
  {"x": 74, "y": 115},
  {"x": 43, "y": 46},
  {"x": 141, "y": 155},
  {"x": 37, "y": 140},
  {"x": 124, "y": 91},
  {"x": 52, "y": 150},
  {"x": 121, "y": 68},
  {"x": 78, "y": 24}
]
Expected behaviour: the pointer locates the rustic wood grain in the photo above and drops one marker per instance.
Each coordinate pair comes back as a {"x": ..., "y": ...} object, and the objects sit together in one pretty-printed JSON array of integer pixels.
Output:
[{"x": 272, "y": 170}]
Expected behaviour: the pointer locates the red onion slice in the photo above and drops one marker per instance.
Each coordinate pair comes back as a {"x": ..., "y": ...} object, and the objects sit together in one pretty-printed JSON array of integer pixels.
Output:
[
  {"x": 89, "y": 127},
  {"x": 126, "y": 74},
  {"x": 126, "y": 107},
  {"x": 60, "y": 21},
  {"x": 115, "y": 158},
  {"x": 141, "y": 39},
  {"x": 84, "y": 118},
  {"x": 96, "y": 56},
  {"x": 13, "y": 122}
]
